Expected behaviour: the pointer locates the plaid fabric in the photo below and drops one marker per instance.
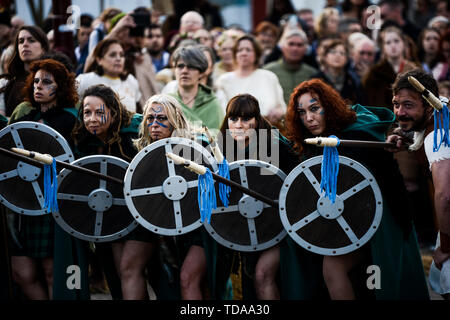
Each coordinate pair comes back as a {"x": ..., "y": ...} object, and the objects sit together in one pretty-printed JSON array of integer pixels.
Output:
[{"x": 35, "y": 234}]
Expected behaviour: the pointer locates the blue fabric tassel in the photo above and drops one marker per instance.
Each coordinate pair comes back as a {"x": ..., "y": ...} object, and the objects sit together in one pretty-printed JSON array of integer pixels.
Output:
[
  {"x": 206, "y": 196},
  {"x": 50, "y": 187},
  {"x": 224, "y": 190},
  {"x": 443, "y": 130},
  {"x": 329, "y": 171}
]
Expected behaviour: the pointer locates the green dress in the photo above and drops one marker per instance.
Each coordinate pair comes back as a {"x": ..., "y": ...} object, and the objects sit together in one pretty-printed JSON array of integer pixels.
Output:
[
  {"x": 393, "y": 248},
  {"x": 225, "y": 264},
  {"x": 206, "y": 110}
]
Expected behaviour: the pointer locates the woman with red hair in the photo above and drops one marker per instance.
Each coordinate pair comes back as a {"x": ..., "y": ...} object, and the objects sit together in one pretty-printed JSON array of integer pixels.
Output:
[{"x": 316, "y": 109}]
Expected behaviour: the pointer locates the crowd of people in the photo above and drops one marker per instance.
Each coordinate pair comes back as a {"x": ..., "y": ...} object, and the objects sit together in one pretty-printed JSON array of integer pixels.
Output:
[{"x": 132, "y": 84}]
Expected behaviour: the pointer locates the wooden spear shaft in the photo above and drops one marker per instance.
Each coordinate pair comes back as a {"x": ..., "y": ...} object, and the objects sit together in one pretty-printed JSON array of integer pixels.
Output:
[
  {"x": 332, "y": 142},
  {"x": 199, "y": 169},
  {"x": 28, "y": 157}
]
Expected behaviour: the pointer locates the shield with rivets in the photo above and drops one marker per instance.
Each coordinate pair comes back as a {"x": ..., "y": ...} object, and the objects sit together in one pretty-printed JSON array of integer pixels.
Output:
[
  {"x": 91, "y": 208},
  {"x": 248, "y": 224},
  {"x": 163, "y": 196},
  {"x": 327, "y": 228},
  {"x": 22, "y": 184}
]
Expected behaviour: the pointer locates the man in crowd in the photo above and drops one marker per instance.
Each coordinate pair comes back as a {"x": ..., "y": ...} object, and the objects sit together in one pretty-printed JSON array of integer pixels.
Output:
[
  {"x": 414, "y": 114},
  {"x": 154, "y": 42},
  {"x": 291, "y": 69},
  {"x": 362, "y": 56}
]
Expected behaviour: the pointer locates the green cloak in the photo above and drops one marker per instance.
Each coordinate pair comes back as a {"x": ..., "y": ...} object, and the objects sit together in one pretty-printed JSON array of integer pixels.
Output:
[{"x": 393, "y": 248}]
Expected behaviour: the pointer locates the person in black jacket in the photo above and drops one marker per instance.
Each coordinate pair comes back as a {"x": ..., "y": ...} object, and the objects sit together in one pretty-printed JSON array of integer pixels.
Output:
[{"x": 106, "y": 127}]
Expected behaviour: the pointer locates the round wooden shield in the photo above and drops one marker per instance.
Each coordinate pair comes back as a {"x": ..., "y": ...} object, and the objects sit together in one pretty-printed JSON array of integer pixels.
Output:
[
  {"x": 248, "y": 224},
  {"x": 90, "y": 208},
  {"x": 162, "y": 196},
  {"x": 22, "y": 184},
  {"x": 328, "y": 228}
]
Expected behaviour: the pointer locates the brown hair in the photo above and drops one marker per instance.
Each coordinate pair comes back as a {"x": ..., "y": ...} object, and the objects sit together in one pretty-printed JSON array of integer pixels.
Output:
[
  {"x": 120, "y": 115},
  {"x": 337, "y": 114},
  {"x": 15, "y": 65},
  {"x": 66, "y": 93},
  {"x": 244, "y": 105}
]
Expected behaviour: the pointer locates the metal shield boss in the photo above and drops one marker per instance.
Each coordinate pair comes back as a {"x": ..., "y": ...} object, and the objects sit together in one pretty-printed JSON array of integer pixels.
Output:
[
  {"x": 162, "y": 196},
  {"x": 22, "y": 184},
  {"x": 90, "y": 208},
  {"x": 328, "y": 228},
  {"x": 248, "y": 224}
]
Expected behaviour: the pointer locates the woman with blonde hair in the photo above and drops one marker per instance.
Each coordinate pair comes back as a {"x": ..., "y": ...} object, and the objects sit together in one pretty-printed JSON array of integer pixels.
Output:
[{"x": 164, "y": 118}]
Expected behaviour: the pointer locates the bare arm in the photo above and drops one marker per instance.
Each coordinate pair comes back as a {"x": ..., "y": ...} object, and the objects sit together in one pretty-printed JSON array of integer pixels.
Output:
[{"x": 441, "y": 180}]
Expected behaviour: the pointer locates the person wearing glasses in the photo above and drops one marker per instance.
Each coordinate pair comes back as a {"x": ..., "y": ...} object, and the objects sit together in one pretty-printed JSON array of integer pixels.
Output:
[{"x": 198, "y": 102}]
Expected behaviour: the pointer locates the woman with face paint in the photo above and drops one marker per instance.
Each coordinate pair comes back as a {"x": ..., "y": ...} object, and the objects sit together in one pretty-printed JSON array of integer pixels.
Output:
[
  {"x": 244, "y": 134},
  {"x": 378, "y": 80},
  {"x": 50, "y": 98},
  {"x": 164, "y": 118},
  {"x": 106, "y": 127},
  {"x": 316, "y": 109}
]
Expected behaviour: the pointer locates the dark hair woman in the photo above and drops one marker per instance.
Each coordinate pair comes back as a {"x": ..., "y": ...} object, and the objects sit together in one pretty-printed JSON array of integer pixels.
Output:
[{"x": 333, "y": 60}]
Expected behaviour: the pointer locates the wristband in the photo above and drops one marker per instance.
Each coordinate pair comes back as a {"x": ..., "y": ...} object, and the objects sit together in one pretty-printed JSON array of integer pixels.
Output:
[{"x": 445, "y": 242}]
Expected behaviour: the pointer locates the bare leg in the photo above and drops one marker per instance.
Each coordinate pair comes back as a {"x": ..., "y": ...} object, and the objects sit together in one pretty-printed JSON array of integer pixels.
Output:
[
  {"x": 26, "y": 276},
  {"x": 192, "y": 273},
  {"x": 117, "y": 250},
  {"x": 335, "y": 272},
  {"x": 135, "y": 256},
  {"x": 265, "y": 272},
  {"x": 47, "y": 265}
]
